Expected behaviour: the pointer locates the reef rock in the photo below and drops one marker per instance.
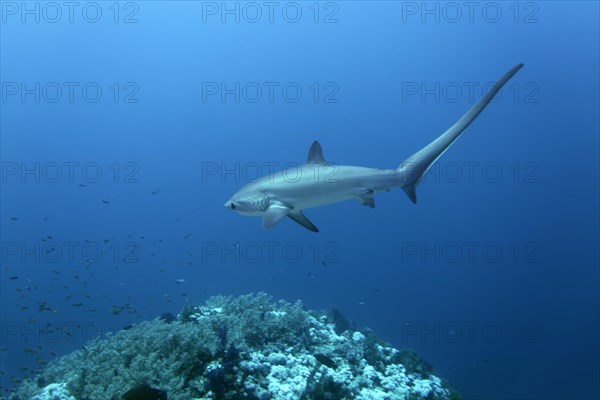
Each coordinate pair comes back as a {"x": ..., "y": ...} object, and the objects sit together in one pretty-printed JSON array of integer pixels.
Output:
[{"x": 244, "y": 348}]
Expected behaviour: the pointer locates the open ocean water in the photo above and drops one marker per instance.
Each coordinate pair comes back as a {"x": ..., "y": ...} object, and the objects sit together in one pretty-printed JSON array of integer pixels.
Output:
[{"x": 126, "y": 125}]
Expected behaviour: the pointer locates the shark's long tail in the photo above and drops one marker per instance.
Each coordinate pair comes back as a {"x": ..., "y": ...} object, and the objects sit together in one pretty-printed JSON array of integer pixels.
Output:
[{"x": 414, "y": 168}]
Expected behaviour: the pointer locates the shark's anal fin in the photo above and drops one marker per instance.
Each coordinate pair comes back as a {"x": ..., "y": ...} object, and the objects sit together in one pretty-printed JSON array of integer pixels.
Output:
[
  {"x": 315, "y": 154},
  {"x": 366, "y": 198},
  {"x": 274, "y": 213},
  {"x": 298, "y": 217}
]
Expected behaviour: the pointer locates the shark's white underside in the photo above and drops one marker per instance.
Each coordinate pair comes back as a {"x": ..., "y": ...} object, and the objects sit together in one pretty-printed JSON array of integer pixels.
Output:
[{"x": 318, "y": 183}]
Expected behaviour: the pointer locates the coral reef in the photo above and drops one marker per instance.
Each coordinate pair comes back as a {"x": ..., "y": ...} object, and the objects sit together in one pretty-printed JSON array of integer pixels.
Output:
[
  {"x": 244, "y": 348},
  {"x": 54, "y": 391}
]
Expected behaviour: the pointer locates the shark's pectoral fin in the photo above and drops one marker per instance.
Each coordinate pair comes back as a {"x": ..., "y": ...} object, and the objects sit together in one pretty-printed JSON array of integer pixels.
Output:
[
  {"x": 298, "y": 217},
  {"x": 275, "y": 213},
  {"x": 366, "y": 198}
]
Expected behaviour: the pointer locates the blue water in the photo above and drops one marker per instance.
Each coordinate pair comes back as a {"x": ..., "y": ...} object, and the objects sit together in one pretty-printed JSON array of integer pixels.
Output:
[{"x": 126, "y": 126}]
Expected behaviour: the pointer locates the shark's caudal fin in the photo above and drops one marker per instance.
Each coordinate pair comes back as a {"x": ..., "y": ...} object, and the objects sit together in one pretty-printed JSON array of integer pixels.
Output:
[{"x": 416, "y": 166}]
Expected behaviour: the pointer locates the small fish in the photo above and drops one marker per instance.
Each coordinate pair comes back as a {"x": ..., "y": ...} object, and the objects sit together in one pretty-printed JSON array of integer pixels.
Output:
[
  {"x": 187, "y": 236},
  {"x": 145, "y": 392},
  {"x": 116, "y": 310},
  {"x": 13, "y": 277},
  {"x": 77, "y": 304},
  {"x": 180, "y": 281},
  {"x": 323, "y": 359},
  {"x": 14, "y": 218},
  {"x": 81, "y": 185},
  {"x": 106, "y": 201},
  {"x": 45, "y": 219},
  {"x": 157, "y": 191}
]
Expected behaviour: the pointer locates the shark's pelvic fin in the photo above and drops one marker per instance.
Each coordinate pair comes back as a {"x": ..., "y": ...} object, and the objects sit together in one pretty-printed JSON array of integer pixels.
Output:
[
  {"x": 315, "y": 154},
  {"x": 416, "y": 166},
  {"x": 298, "y": 217},
  {"x": 366, "y": 198},
  {"x": 274, "y": 213}
]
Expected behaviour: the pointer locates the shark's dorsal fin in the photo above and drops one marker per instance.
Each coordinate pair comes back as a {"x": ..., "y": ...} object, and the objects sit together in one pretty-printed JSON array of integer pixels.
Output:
[
  {"x": 298, "y": 217},
  {"x": 315, "y": 154}
]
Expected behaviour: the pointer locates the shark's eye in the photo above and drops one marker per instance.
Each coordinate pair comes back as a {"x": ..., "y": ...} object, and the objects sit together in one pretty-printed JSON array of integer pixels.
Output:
[{"x": 232, "y": 206}]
